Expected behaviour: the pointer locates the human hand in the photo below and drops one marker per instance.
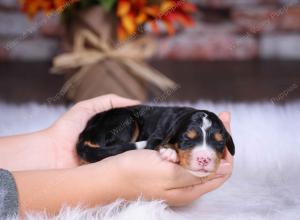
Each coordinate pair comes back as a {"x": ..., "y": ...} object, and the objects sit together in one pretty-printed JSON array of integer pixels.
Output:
[
  {"x": 128, "y": 176},
  {"x": 144, "y": 172},
  {"x": 64, "y": 133}
]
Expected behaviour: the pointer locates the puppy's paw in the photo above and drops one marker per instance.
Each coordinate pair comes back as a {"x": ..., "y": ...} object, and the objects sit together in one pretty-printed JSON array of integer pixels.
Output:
[{"x": 168, "y": 154}]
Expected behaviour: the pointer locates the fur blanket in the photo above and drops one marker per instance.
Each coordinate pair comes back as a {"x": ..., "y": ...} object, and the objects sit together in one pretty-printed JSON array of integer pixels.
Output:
[{"x": 265, "y": 183}]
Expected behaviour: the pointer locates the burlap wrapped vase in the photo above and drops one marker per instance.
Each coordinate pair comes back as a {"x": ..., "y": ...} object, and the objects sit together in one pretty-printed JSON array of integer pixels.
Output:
[{"x": 95, "y": 63}]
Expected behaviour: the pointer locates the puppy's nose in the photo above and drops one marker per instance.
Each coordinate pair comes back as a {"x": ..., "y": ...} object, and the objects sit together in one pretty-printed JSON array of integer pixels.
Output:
[{"x": 203, "y": 160}]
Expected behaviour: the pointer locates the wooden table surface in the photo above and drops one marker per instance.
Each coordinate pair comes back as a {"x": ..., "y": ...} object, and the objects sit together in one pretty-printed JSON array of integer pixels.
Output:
[{"x": 228, "y": 81}]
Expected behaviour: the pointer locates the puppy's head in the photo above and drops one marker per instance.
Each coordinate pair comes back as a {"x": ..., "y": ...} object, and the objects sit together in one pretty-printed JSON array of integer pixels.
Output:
[{"x": 200, "y": 140}]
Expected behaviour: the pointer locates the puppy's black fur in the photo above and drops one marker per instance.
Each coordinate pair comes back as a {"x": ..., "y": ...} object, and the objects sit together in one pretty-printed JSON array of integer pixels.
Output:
[{"x": 116, "y": 131}]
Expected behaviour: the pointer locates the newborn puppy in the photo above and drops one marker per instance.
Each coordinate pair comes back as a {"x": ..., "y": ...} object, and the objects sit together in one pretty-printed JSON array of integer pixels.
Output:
[{"x": 193, "y": 138}]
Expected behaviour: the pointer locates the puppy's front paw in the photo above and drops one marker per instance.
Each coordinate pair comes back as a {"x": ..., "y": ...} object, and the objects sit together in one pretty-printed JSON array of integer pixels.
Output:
[{"x": 169, "y": 154}]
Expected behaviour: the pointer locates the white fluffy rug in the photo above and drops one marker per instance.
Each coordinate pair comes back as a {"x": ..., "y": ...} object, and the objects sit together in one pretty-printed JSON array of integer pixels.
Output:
[{"x": 265, "y": 183}]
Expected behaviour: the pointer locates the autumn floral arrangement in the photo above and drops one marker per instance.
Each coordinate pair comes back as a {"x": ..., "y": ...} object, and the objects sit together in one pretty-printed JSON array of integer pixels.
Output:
[{"x": 107, "y": 42}]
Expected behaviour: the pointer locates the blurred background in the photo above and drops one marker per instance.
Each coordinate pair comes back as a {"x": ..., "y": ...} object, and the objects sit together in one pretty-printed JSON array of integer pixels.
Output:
[{"x": 238, "y": 51}]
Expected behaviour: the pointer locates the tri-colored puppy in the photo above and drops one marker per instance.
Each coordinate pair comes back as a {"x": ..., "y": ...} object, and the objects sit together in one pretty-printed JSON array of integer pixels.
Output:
[{"x": 193, "y": 138}]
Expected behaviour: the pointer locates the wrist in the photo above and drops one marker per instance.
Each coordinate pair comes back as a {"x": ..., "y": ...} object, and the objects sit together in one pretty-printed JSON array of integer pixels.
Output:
[
  {"x": 62, "y": 147},
  {"x": 46, "y": 149},
  {"x": 26, "y": 152},
  {"x": 110, "y": 183},
  {"x": 98, "y": 183}
]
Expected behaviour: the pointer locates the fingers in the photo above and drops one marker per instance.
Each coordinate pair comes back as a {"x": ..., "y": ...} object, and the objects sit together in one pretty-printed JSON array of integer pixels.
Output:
[
  {"x": 117, "y": 101},
  {"x": 106, "y": 102},
  {"x": 182, "y": 178},
  {"x": 206, "y": 187},
  {"x": 224, "y": 169},
  {"x": 227, "y": 156},
  {"x": 226, "y": 118},
  {"x": 181, "y": 196},
  {"x": 80, "y": 113}
]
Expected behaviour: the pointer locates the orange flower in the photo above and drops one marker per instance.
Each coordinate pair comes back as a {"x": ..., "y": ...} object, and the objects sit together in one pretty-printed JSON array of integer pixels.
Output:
[
  {"x": 32, "y": 7},
  {"x": 133, "y": 13},
  {"x": 177, "y": 11}
]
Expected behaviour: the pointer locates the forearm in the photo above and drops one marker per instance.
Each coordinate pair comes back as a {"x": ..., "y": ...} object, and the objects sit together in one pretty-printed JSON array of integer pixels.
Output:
[
  {"x": 26, "y": 152},
  {"x": 88, "y": 185}
]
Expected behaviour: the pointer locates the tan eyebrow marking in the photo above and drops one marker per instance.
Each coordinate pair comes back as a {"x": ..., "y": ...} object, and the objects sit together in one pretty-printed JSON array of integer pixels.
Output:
[
  {"x": 90, "y": 144},
  {"x": 191, "y": 134},
  {"x": 218, "y": 136}
]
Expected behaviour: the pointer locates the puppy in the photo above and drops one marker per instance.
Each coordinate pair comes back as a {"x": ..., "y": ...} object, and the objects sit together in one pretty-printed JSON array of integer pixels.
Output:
[{"x": 195, "y": 139}]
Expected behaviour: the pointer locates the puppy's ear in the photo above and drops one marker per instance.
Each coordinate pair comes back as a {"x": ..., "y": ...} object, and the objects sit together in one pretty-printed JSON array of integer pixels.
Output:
[{"x": 229, "y": 144}]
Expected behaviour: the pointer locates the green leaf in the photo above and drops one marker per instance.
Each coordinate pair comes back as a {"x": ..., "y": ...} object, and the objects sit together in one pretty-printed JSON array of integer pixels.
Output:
[{"x": 108, "y": 4}]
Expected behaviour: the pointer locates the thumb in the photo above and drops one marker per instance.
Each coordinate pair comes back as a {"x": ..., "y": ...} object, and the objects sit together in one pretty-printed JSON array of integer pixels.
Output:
[{"x": 226, "y": 118}]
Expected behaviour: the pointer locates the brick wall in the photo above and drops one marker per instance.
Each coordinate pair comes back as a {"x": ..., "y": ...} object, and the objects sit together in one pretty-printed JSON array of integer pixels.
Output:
[
  {"x": 227, "y": 30},
  {"x": 25, "y": 39}
]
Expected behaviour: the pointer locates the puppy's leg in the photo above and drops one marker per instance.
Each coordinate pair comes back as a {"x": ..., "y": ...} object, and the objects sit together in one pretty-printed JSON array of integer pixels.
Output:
[
  {"x": 153, "y": 143},
  {"x": 156, "y": 140},
  {"x": 169, "y": 154},
  {"x": 108, "y": 134}
]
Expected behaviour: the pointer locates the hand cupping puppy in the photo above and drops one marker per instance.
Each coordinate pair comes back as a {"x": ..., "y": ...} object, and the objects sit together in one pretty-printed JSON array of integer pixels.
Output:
[
  {"x": 137, "y": 173},
  {"x": 48, "y": 174},
  {"x": 145, "y": 173}
]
